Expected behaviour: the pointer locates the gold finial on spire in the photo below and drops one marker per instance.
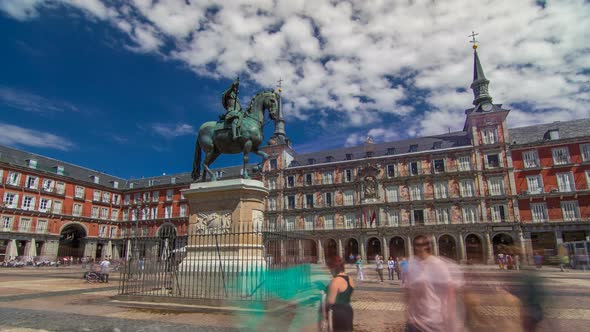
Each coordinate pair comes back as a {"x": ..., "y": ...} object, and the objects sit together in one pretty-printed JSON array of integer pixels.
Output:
[
  {"x": 280, "y": 85},
  {"x": 473, "y": 40}
]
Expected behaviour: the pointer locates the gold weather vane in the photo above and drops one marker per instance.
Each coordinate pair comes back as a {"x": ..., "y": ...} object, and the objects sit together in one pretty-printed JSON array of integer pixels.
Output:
[
  {"x": 280, "y": 85},
  {"x": 473, "y": 40}
]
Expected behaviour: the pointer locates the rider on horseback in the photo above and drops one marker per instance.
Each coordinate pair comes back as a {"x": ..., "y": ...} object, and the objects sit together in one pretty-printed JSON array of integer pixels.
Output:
[{"x": 234, "y": 112}]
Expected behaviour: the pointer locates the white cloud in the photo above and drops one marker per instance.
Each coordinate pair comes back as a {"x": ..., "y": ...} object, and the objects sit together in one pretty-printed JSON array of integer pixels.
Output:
[
  {"x": 30, "y": 102},
  {"x": 364, "y": 60},
  {"x": 378, "y": 135},
  {"x": 172, "y": 130},
  {"x": 17, "y": 136}
]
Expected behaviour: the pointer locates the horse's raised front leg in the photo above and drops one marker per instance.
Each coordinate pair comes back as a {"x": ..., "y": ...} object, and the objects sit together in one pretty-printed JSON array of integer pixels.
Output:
[
  {"x": 264, "y": 159},
  {"x": 246, "y": 151},
  {"x": 209, "y": 159}
]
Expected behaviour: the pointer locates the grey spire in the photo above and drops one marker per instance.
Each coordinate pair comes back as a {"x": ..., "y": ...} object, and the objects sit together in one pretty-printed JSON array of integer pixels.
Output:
[{"x": 480, "y": 82}]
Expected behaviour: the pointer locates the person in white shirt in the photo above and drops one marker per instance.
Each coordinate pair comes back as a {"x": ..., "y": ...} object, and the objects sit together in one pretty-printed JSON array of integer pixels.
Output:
[
  {"x": 431, "y": 290},
  {"x": 104, "y": 270}
]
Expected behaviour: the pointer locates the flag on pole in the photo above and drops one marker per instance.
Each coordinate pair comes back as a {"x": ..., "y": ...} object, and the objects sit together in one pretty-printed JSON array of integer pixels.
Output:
[
  {"x": 365, "y": 216},
  {"x": 374, "y": 216}
]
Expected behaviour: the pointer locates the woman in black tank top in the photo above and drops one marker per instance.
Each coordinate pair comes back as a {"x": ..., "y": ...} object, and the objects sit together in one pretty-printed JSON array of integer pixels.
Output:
[{"x": 339, "y": 294}]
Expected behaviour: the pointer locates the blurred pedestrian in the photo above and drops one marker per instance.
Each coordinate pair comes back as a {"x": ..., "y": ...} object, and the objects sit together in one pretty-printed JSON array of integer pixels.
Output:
[
  {"x": 379, "y": 266},
  {"x": 104, "y": 270},
  {"x": 359, "y": 268},
  {"x": 517, "y": 262},
  {"x": 538, "y": 259},
  {"x": 431, "y": 290},
  {"x": 340, "y": 290},
  {"x": 509, "y": 262},
  {"x": 398, "y": 268},
  {"x": 84, "y": 261},
  {"x": 403, "y": 270},
  {"x": 391, "y": 268},
  {"x": 565, "y": 262},
  {"x": 532, "y": 298},
  {"x": 501, "y": 261}
]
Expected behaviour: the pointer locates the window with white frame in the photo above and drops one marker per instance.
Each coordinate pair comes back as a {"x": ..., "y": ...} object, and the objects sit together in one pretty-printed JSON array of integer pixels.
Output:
[
  {"x": 145, "y": 213},
  {"x": 415, "y": 167},
  {"x": 60, "y": 188},
  {"x": 561, "y": 156},
  {"x": 535, "y": 184},
  {"x": 13, "y": 178},
  {"x": 348, "y": 175},
  {"x": 154, "y": 212},
  {"x": 168, "y": 211},
  {"x": 123, "y": 232},
  {"x": 469, "y": 214},
  {"x": 349, "y": 220},
  {"x": 416, "y": 191},
  {"x": 441, "y": 189},
  {"x": 496, "y": 186},
  {"x": 499, "y": 213},
  {"x": 308, "y": 222},
  {"x": 1, "y": 175},
  {"x": 96, "y": 196},
  {"x": 102, "y": 231},
  {"x": 272, "y": 183},
  {"x": 116, "y": 199},
  {"x": 290, "y": 181},
  {"x": 48, "y": 185},
  {"x": 183, "y": 210},
  {"x": 329, "y": 221},
  {"x": 492, "y": 160},
  {"x": 169, "y": 194},
  {"x": 570, "y": 210},
  {"x": 24, "y": 224},
  {"x": 127, "y": 199},
  {"x": 588, "y": 179},
  {"x": 95, "y": 212},
  {"x": 28, "y": 203},
  {"x": 539, "y": 212},
  {"x": 531, "y": 159},
  {"x": 290, "y": 202},
  {"x": 113, "y": 232},
  {"x": 438, "y": 166},
  {"x": 585, "y": 152},
  {"x": 7, "y": 223},
  {"x": 79, "y": 192},
  {"x": 328, "y": 177},
  {"x": 155, "y": 196},
  {"x": 464, "y": 163},
  {"x": 443, "y": 216},
  {"x": 32, "y": 182},
  {"x": 77, "y": 210},
  {"x": 114, "y": 214},
  {"x": 133, "y": 214},
  {"x": 391, "y": 171},
  {"x": 106, "y": 197},
  {"x": 44, "y": 205},
  {"x": 136, "y": 198},
  {"x": 309, "y": 200},
  {"x": 489, "y": 135},
  {"x": 348, "y": 197},
  {"x": 125, "y": 215},
  {"x": 393, "y": 217},
  {"x": 146, "y": 196},
  {"x": 418, "y": 217},
  {"x": 10, "y": 200},
  {"x": 41, "y": 226},
  {"x": 565, "y": 182},
  {"x": 290, "y": 223},
  {"x": 391, "y": 193},
  {"x": 328, "y": 200},
  {"x": 467, "y": 188},
  {"x": 272, "y": 203},
  {"x": 57, "y": 206}
]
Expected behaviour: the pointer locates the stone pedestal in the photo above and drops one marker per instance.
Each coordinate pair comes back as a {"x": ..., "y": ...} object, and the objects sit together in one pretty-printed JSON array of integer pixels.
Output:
[{"x": 224, "y": 246}]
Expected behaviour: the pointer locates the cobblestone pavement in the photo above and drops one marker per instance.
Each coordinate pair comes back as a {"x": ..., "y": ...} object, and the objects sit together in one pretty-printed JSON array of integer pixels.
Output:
[{"x": 34, "y": 300}]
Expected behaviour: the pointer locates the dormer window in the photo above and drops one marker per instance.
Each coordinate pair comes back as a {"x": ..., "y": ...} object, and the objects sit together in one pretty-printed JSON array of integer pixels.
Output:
[
  {"x": 115, "y": 184},
  {"x": 310, "y": 161},
  {"x": 173, "y": 180},
  {"x": 414, "y": 148},
  {"x": 95, "y": 178},
  {"x": 552, "y": 134},
  {"x": 219, "y": 174},
  {"x": 151, "y": 182},
  {"x": 59, "y": 170},
  {"x": 349, "y": 156},
  {"x": 131, "y": 185},
  {"x": 369, "y": 154},
  {"x": 329, "y": 159},
  {"x": 436, "y": 145},
  {"x": 32, "y": 163},
  {"x": 390, "y": 151}
]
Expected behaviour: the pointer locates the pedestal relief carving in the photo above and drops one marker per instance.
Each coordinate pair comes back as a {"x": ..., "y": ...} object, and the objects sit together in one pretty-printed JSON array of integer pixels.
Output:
[{"x": 215, "y": 222}]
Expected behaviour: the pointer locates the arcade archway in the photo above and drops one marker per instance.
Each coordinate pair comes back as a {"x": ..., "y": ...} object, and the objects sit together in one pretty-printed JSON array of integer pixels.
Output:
[
  {"x": 503, "y": 244},
  {"x": 330, "y": 249},
  {"x": 474, "y": 249},
  {"x": 373, "y": 248},
  {"x": 447, "y": 247},
  {"x": 351, "y": 248},
  {"x": 397, "y": 247},
  {"x": 71, "y": 241},
  {"x": 310, "y": 251}
]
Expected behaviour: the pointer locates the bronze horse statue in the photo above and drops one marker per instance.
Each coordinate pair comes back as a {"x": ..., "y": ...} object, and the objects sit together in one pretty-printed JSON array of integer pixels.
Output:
[{"x": 215, "y": 137}]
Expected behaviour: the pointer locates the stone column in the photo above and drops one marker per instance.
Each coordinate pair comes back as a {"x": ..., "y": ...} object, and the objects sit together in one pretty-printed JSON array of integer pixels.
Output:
[
  {"x": 341, "y": 249},
  {"x": 526, "y": 247},
  {"x": 362, "y": 251},
  {"x": 385, "y": 248},
  {"x": 462, "y": 251},
  {"x": 434, "y": 245},
  {"x": 489, "y": 249},
  {"x": 409, "y": 247},
  {"x": 90, "y": 248},
  {"x": 321, "y": 255},
  {"x": 300, "y": 250}
]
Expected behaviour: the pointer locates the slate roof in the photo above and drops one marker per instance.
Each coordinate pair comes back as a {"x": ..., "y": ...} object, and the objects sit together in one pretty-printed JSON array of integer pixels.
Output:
[
  {"x": 539, "y": 133},
  {"x": 422, "y": 144}
]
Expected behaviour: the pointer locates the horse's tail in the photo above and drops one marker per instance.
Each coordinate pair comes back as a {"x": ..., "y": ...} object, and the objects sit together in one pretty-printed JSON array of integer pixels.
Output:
[{"x": 197, "y": 161}]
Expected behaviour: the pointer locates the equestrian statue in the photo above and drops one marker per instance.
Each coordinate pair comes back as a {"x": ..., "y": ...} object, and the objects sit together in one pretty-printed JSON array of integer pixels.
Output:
[{"x": 237, "y": 131}]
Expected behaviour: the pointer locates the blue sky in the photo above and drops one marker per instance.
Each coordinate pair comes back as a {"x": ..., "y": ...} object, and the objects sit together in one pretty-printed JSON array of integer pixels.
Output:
[{"x": 121, "y": 86}]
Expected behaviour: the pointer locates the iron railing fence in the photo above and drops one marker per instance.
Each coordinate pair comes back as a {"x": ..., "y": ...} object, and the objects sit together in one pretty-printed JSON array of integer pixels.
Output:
[{"x": 219, "y": 265}]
